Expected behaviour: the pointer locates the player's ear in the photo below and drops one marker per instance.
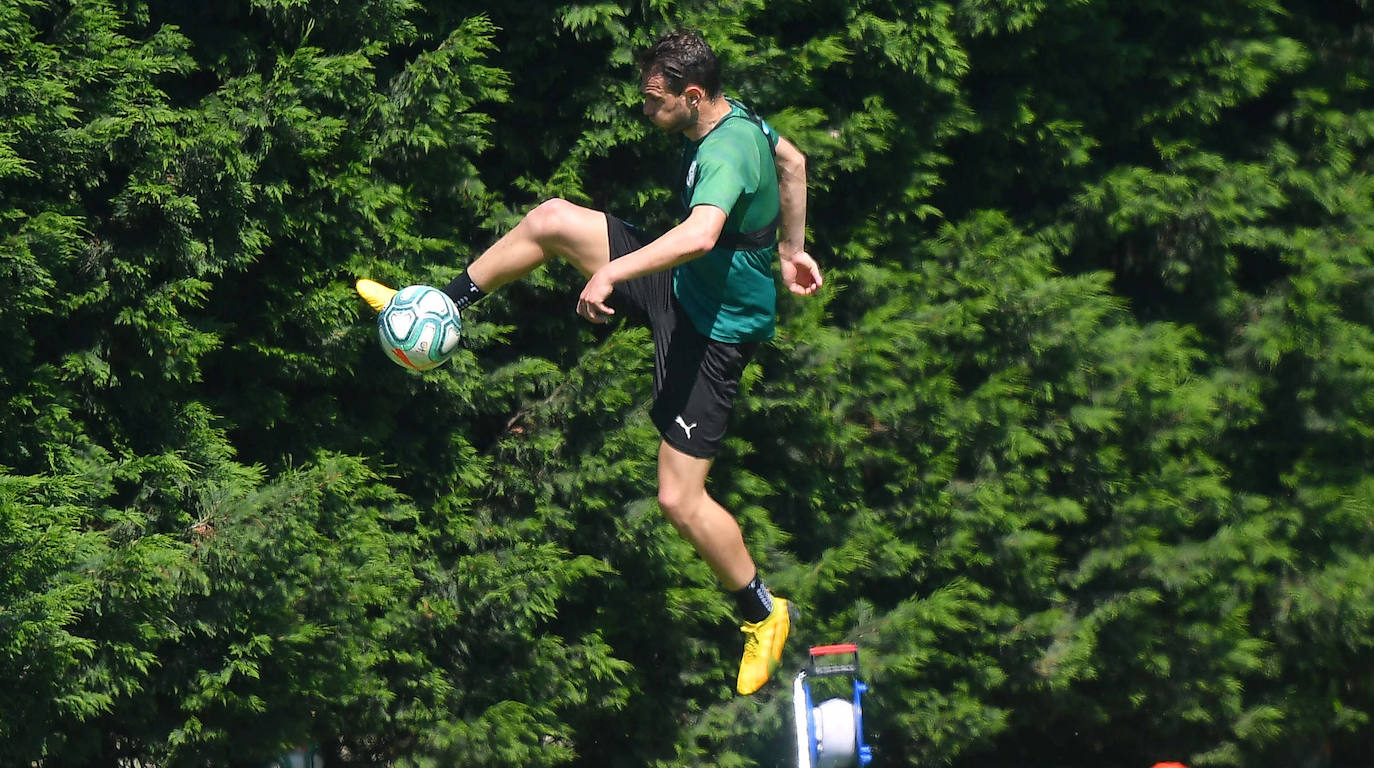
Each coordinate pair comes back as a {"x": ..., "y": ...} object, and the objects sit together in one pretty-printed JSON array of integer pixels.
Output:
[{"x": 694, "y": 94}]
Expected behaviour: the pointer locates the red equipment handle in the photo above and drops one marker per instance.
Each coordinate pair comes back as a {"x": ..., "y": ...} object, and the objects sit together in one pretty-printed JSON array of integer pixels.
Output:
[
  {"x": 827, "y": 650},
  {"x": 848, "y": 667}
]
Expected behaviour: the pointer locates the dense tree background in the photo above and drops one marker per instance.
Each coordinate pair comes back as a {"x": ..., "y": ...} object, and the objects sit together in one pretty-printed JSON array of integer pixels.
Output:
[{"x": 1077, "y": 442}]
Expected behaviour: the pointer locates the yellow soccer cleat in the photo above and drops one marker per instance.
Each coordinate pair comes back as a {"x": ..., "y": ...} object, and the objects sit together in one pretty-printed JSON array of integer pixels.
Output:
[
  {"x": 374, "y": 293},
  {"x": 763, "y": 642}
]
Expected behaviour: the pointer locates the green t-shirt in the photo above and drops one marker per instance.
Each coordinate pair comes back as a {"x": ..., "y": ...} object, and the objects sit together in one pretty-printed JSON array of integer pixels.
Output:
[{"x": 728, "y": 292}]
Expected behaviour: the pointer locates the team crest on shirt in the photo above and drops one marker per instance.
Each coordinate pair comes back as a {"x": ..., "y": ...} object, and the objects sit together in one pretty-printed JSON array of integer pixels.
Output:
[{"x": 692, "y": 175}]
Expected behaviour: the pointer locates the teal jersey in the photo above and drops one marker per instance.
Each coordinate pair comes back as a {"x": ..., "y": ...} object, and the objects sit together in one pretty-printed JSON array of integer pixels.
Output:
[{"x": 729, "y": 292}]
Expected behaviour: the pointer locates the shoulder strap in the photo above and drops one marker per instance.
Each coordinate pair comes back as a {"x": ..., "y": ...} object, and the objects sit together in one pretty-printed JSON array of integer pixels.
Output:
[
  {"x": 768, "y": 234},
  {"x": 753, "y": 117}
]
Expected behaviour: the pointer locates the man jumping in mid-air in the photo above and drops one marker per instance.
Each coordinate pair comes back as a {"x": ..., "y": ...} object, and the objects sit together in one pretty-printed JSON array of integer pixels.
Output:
[{"x": 705, "y": 288}]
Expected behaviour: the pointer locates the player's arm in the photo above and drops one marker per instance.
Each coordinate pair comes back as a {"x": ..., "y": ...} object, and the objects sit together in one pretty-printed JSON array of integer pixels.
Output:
[
  {"x": 800, "y": 272},
  {"x": 688, "y": 240}
]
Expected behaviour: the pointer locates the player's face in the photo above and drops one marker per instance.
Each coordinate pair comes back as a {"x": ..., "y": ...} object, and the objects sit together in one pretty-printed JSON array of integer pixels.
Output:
[{"x": 669, "y": 111}]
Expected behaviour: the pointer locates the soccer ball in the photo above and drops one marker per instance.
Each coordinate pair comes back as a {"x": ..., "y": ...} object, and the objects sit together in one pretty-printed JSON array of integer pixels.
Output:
[{"x": 419, "y": 329}]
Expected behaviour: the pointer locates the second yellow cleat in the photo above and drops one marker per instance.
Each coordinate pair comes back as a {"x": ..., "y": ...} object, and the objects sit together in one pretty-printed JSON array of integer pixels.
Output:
[{"x": 763, "y": 642}]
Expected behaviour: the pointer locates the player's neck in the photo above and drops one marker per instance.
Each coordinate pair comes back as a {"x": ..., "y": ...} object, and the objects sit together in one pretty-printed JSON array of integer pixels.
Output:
[{"x": 708, "y": 115}]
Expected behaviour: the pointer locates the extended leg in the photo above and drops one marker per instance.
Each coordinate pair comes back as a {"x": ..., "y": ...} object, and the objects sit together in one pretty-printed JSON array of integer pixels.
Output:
[{"x": 554, "y": 228}]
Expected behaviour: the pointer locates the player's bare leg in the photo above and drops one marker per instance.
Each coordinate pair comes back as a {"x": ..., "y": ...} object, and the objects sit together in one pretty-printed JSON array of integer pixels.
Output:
[
  {"x": 716, "y": 536},
  {"x": 710, "y": 529},
  {"x": 554, "y": 228}
]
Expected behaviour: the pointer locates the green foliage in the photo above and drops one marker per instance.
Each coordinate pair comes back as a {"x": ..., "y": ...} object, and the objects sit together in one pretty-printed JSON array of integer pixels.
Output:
[{"x": 1075, "y": 442}]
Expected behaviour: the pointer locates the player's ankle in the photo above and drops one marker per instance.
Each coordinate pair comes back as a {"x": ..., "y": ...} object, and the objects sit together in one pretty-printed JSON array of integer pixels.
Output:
[
  {"x": 463, "y": 291},
  {"x": 754, "y": 601}
]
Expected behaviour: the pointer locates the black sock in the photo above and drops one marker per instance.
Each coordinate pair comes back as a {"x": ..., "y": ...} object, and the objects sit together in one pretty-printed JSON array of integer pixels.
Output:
[
  {"x": 755, "y": 604},
  {"x": 463, "y": 291}
]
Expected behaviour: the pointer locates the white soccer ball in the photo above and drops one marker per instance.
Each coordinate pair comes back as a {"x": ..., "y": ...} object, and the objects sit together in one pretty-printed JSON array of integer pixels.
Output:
[{"x": 420, "y": 328}]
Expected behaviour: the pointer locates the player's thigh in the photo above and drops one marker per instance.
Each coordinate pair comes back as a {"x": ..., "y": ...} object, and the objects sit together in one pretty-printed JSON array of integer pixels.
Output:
[{"x": 575, "y": 233}]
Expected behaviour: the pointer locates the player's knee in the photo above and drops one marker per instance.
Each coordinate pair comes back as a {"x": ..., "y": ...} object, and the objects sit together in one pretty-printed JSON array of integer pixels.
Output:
[
  {"x": 678, "y": 506},
  {"x": 550, "y": 218}
]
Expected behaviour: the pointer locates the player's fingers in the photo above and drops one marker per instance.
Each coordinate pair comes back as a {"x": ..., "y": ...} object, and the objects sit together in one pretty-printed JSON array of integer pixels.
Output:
[{"x": 596, "y": 312}]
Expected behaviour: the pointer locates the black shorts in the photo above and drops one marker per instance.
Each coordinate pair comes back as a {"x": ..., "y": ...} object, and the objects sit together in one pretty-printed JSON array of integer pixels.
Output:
[{"x": 696, "y": 377}]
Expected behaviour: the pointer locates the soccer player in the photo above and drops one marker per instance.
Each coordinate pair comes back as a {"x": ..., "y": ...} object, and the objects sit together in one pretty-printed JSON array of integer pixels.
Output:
[{"x": 705, "y": 288}]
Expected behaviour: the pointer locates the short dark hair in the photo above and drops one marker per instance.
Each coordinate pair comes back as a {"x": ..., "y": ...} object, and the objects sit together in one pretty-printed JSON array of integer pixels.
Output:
[{"x": 683, "y": 58}]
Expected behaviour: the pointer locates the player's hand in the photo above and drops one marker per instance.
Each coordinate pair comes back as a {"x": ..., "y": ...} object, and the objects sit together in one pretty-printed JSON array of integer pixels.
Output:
[
  {"x": 800, "y": 273},
  {"x": 592, "y": 303}
]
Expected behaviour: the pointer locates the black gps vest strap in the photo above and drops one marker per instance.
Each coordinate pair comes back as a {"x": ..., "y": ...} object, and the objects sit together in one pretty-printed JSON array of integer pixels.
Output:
[{"x": 767, "y": 235}]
